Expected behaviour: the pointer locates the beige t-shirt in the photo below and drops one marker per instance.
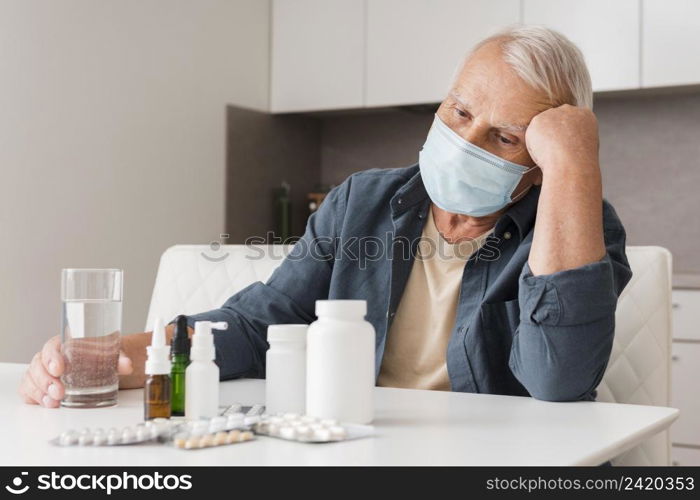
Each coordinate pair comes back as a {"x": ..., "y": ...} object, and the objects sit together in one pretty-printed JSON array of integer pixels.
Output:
[{"x": 416, "y": 347}]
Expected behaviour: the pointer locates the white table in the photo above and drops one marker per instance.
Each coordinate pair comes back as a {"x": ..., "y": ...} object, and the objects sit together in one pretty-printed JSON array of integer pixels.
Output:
[{"x": 413, "y": 428}]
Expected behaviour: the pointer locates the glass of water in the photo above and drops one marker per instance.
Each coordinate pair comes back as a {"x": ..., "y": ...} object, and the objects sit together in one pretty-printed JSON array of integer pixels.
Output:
[{"x": 91, "y": 336}]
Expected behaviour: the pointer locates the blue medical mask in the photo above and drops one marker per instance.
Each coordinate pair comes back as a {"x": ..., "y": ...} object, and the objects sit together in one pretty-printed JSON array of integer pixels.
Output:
[{"x": 463, "y": 178}]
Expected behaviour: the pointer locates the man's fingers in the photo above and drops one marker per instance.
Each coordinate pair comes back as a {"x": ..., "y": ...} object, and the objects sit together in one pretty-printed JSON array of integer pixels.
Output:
[
  {"x": 124, "y": 366},
  {"x": 51, "y": 387},
  {"x": 30, "y": 394},
  {"x": 52, "y": 358}
]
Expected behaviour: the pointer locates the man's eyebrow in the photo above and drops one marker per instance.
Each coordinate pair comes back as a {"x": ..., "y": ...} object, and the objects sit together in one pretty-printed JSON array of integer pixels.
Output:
[
  {"x": 509, "y": 127},
  {"x": 512, "y": 127}
]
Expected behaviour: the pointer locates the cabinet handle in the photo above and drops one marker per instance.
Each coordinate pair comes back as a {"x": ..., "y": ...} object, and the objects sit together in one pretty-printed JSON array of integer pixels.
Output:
[
  {"x": 675, "y": 463},
  {"x": 675, "y": 305},
  {"x": 675, "y": 357}
]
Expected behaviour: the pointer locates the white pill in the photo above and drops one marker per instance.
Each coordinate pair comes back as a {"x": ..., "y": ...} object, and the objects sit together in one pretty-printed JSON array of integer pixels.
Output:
[
  {"x": 308, "y": 419},
  {"x": 99, "y": 439},
  {"x": 303, "y": 431},
  {"x": 290, "y": 416},
  {"x": 273, "y": 429},
  {"x": 217, "y": 423},
  {"x": 68, "y": 438},
  {"x": 338, "y": 432},
  {"x": 127, "y": 435},
  {"x": 275, "y": 420},
  {"x": 245, "y": 436},
  {"x": 142, "y": 433},
  {"x": 113, "y": 436},
  {"x": 85, "y": 438},
  {"x": 329, "y": 422},
  {"x": 251, "y": 420},
  {"x": 235, "y": 420},
  {"x": 288, "y": 432},
  {"x": 192, "y": 442},
  {"x": 322, "y": 435}
]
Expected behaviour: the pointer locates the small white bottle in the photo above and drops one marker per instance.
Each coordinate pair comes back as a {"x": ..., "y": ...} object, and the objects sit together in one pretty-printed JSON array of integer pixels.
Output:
[
  {"x": 202, "y": 374},
  {"x": 340, "y": 367},
  {"x": 285, "y": 369}
]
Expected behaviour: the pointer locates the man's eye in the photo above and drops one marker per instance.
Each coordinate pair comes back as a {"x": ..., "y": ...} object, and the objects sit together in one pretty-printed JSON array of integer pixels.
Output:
[
  {"x": 504, "y": 140},
  {"x": 461, "y": 113}
]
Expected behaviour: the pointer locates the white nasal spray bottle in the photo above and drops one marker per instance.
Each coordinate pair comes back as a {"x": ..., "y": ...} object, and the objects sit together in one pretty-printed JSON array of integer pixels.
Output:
[{"x": 202, "y": 374}]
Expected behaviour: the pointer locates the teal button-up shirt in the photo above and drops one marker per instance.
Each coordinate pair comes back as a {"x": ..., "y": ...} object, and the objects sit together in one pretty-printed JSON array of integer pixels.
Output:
[{"x": 547, "y": 336}]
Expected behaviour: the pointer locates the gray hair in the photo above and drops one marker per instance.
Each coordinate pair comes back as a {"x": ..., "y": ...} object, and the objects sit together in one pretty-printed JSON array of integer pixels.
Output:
[{"x": 546, "y": 60}]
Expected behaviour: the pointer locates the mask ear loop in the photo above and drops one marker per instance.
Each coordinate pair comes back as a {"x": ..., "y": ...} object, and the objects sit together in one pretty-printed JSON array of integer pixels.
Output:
[{"x": 517, "y": 197}]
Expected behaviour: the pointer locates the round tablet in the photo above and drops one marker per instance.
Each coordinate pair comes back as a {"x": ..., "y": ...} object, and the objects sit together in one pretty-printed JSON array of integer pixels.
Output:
[
  {"x": 288, "y": 432},
  {"x": 68, "y": 438},
  {"x": 322, "y": 434}
]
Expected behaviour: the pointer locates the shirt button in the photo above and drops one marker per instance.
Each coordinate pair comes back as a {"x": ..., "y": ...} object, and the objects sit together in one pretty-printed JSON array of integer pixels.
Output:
[
  {"x": 400, "y": 201},
  {"x": 507, "y": 235}
]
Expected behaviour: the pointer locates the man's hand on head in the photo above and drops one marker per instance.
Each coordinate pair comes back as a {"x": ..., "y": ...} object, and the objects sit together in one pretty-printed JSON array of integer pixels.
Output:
[{"x": 563, "y": 137}]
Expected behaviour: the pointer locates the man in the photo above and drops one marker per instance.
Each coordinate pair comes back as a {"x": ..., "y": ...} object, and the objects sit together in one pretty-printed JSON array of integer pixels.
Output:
[{"x": 509, "y": 168}]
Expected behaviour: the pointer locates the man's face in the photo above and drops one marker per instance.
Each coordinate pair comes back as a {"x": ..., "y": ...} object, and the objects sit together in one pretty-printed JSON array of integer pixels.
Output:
[{"x": 490, "y": 106}]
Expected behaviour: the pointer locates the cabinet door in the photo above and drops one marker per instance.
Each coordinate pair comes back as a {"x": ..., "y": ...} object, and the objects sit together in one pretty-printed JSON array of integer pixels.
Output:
[
  {"x": 686, "y": 314},
  {"x": 606, "y": 32},
  {"x": 685, "y": 374},
  {"x": 414, "y": 46},
  {"x": 671, "y": 41},
  {"x": 685, "y": 457},
  {"x": 317, "y": 55}
]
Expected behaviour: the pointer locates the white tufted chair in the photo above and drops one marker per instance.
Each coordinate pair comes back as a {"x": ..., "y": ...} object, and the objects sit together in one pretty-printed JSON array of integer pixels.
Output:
[
  {"x": 639, "y": 371},
  {"x": 196, "y": 278}
]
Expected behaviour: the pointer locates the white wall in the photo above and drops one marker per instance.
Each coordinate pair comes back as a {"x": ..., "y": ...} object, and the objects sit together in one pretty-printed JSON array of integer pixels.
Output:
[{"x": 112, "y": 141}]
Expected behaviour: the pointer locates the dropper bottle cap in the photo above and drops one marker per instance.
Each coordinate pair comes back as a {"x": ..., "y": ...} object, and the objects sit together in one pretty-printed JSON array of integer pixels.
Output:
[
  {"x": 158, "y": 361},
  {"x": 203, "y": 340},
  {"x": 181, "y": 340}
]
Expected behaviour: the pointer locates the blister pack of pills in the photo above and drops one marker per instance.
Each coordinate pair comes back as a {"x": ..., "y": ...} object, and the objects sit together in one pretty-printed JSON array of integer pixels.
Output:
[
  {"x": 233, "y": 418},
  {"x": 307, "y": 429},
  {"x": 194, "y": 441}
]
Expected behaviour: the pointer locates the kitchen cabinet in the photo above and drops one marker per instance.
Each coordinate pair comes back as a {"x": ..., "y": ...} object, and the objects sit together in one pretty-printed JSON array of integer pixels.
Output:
[
  {"x": 685, "y": 368},
  {"x": 686, "y": 315},
  {"x": 685, "y": 457},
  {"x": 317, "y": 55},
  {"x": 414, "y": 46},
  {"x": 671, "y": 42},
  {"x": 685, "y": 374},
  {"x": 349, "y": 54},
  {"x": 606, "y": 32}
]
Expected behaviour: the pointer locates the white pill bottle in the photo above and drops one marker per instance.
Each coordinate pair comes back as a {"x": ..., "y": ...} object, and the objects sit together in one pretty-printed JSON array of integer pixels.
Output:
[
  {"x": 340, "y": 371},
  {"x": 285, "y": 367}
]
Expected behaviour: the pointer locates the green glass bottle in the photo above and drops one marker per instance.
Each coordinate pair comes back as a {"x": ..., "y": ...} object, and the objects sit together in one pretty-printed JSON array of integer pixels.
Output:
[{"x": 180, "y": 355}]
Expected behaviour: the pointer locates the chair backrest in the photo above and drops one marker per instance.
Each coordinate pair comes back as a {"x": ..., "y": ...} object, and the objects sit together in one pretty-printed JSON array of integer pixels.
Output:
[
  {"x": 639, "y": 370},
  {"x": 196, "y": 278}
]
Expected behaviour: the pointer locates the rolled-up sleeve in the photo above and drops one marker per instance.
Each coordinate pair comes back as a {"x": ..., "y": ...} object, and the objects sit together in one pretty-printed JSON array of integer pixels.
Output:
[{"x": 567, "y": 323}]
